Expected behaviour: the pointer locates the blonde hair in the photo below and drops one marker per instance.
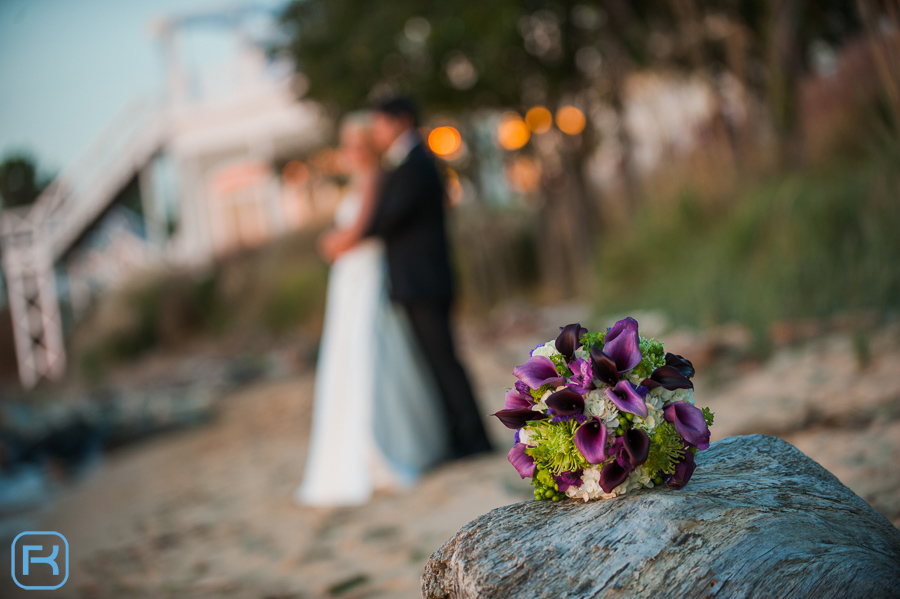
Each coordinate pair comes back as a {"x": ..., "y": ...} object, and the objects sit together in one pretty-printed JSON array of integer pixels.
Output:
[{"x": 358, "y": 119}]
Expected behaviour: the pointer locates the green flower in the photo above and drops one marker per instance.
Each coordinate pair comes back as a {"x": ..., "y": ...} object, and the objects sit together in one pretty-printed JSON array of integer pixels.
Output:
[
  {"x": 666, "y": 449},
  {"x": 555, "y": 449}
]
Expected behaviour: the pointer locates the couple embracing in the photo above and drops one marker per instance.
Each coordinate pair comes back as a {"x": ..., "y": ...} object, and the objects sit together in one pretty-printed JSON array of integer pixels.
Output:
[{"x": 391, "y": 397}]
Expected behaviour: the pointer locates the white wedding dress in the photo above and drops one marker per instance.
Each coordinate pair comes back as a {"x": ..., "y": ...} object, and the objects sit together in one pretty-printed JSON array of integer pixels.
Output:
[{"x": 376, "y": 418}]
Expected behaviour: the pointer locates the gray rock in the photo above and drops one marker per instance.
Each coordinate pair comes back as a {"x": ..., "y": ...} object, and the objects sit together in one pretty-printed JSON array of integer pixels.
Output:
[{"x": 758, "y": 519}]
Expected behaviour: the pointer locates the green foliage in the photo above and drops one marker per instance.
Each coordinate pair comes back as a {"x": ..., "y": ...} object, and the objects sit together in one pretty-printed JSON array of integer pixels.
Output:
[
  {"x": 654, "y": 356},
  {"x": 294, "y": 297},
  {"x": 666, "y": 449},
  {"x": 347, "y": 48},
  {"x": 709, "y": 416},
  {"x": 537, "y": 394},
  {"x": 271, "y": 291},
  {"x": 147, "y": 304},
  {"x": 590, "y": 340},
  {"x": 20, "y": 184},
  {"x": 802, "y": 245},
  {"x": 559, "y": 361},
  {"x": 556, "y": 451}
]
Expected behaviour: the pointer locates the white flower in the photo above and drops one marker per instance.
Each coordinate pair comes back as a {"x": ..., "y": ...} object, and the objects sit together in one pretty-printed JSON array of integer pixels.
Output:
[
  {"x": 525, "y": 436},
  {"x": 548, "y": 350},
  {"x": 653, "y": 401},
  {"x": 633, "y": 378},
  {"x": 649, "y": 424},
  {"x": 583, "y": 353},
  {"x": 590, "y": 487},
  {"x": 666, "y": 396},
  {"x": 598, "y": 405},
  {"x": 638, "y": 479}
]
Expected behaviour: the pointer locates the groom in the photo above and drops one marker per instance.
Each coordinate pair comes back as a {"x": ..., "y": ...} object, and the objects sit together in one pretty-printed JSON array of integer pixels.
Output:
[{"x": 409, "y": 216}]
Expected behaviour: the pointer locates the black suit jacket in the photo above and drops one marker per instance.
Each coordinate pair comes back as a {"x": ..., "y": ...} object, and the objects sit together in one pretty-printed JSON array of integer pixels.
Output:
[{"x": 410, "y": 218}]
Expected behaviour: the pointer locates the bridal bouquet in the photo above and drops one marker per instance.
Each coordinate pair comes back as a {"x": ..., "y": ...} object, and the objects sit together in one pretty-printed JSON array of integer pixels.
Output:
[{"x": 599, "y": 414}]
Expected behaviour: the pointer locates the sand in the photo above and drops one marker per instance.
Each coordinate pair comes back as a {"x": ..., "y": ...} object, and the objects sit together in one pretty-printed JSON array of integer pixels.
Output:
[{"x": 207, "y": 511}]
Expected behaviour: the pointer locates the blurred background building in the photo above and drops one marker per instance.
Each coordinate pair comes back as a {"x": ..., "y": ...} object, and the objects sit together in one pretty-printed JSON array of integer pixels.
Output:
[{"x": 206, "y": 169}]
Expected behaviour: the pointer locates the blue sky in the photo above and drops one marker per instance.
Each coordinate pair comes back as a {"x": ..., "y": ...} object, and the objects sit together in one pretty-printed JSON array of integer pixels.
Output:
[{"x": 68, "y": 67}]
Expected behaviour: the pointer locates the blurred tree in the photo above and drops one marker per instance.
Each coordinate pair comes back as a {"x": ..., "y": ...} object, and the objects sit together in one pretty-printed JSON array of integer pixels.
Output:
[
  {"x": 464, "y": 56},
  {"x": 768, "y": 45},
  {"x": 20, "y": 184},
  {"x": 468, "y": 55}
]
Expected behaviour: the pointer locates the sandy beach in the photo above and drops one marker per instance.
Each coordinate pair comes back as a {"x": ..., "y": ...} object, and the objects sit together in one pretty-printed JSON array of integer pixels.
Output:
[{"x": 208, "y": 512}]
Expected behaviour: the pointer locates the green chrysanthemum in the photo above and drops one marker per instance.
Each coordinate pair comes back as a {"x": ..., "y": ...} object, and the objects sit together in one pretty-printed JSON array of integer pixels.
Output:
[
  {"x": 666, "y": 449},
  {"x": 555, "y": 449}
]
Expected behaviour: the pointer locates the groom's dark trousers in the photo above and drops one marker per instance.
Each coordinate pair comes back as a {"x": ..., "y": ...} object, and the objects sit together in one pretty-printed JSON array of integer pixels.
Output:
[{"x": 410, "y": 218}]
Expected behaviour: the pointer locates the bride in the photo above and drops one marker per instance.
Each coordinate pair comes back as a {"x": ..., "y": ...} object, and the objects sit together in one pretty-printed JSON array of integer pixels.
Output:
[{"x": 376, "y": 420}]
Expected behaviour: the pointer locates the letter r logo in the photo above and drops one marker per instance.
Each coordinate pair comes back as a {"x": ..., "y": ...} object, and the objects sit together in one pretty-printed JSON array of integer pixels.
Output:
[
  {"x": 50, "y": 559},
  {"x": 43, "y": 562}
]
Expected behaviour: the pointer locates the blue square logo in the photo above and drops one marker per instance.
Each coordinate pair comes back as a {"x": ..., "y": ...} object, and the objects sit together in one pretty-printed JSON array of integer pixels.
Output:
[{"x": 40, "y": 560}]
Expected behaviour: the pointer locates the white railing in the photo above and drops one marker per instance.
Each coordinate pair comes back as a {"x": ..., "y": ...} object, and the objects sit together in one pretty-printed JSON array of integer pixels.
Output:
[
  {"x": 34, "y": 238},
  {"x": 85, "y": 189}
]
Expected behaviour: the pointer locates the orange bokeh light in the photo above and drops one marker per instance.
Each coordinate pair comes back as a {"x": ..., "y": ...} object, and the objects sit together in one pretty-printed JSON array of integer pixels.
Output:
[
  {"x": 523, "y": 174},
  {"x": 512, "y": 131},
  {"x": 539, "y": 119},
  {"x": 444, "y": 141},
  {"x": 570, "y": 120}
]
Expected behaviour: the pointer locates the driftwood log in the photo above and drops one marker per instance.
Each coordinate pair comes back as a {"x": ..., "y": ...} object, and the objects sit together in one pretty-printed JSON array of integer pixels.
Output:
[{"x": 758, "y": 519}]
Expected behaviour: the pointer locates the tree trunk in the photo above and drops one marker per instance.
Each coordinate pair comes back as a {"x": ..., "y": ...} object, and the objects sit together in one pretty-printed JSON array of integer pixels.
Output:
[
  {"x": 758, "y": 519},
  {"x": 785, "y": 57},
  {"x": 568, "y": 221}
]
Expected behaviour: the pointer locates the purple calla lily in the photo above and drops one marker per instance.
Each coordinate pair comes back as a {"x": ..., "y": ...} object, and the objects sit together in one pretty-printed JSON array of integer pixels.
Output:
[
  {"x": 570, "y": 339},
  {"x": 566, "y": 402},
  {"x": 626, "y": 398},
  {"x": 623, "y": 344},
  {"x": 537, "y": 372},
  {"x": 636, "y": 445},
  {"x": 689, "y": 422},
  {"x": 514, "y": 400},
  {"x": 568, "y": 479},
  {"x": 612, "y": 475},
  {"x": 521, "y": 461},
  {"x": 683, "y": 471},
  {"x": 590, "y": 439},
  {"x": 582, "y": 379},
  {"x": 603, "y": 367},
  {"x": 681, "y": 364},
  {"x": 523, "y": 389},
  {"x": 667, "y": 377},
  {"x": 516, "y": 418}
]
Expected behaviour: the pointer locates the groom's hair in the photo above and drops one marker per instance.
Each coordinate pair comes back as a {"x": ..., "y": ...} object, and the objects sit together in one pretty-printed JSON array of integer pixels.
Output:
[{"x": 398, "y": 107}]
